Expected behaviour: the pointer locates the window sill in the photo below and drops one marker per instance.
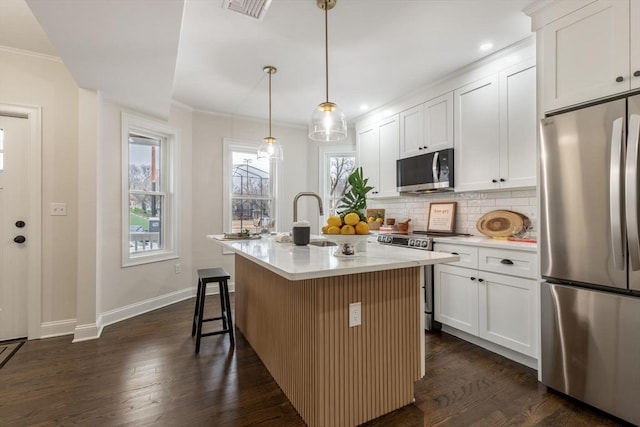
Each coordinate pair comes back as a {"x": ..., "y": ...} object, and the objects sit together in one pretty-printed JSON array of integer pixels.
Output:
[{"x": 149, "y": 258}]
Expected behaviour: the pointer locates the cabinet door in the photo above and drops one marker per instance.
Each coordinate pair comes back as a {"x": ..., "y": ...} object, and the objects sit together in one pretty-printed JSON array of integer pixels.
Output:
[
  {"x": 518, "y": 131},
  {"x": 456, "y": 297},
  {"x": 369, "y": 154},
  {"x": 438, "y": 123},
  {"x": 585, "y": 52},
  {"x": 411, "y": 132},
  {"x": 507, "y": 311},
  {"x": 389, "y": 135},
  {"x": 635, "y": 44},
  {"x": 477, "y": 136}
]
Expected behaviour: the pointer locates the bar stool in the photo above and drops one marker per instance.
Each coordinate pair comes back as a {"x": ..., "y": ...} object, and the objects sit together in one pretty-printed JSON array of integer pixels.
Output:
[{"x": 206, "y": 276}]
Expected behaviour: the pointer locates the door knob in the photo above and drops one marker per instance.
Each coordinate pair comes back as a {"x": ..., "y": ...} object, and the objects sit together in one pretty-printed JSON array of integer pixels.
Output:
[
  {"x": 20, "y": 224},
  {"x": 636, "y": 73},
  {"x": 619, "y": 79},
  {"x": 19, "y": 239}
]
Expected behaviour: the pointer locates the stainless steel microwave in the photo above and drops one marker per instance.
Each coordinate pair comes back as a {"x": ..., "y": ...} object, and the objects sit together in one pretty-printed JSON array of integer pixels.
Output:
[{"x": 426, "y": 173}]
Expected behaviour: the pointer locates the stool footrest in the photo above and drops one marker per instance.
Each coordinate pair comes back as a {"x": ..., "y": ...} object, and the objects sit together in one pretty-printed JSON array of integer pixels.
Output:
[
  {"x": 208, "y": 334},
  {"x": 211, "y": 319}
]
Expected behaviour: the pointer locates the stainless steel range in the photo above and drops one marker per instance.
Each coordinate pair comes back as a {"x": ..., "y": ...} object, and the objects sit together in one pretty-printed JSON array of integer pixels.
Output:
[{"x": 425, "y": 243}]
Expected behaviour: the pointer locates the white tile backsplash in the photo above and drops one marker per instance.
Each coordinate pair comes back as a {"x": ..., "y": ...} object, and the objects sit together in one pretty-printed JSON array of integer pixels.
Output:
[{"x": 470, "y": 207}]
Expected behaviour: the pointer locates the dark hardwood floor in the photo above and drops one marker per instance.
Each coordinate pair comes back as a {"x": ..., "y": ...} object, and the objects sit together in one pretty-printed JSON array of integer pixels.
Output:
[{"x": 143, "y": 371}]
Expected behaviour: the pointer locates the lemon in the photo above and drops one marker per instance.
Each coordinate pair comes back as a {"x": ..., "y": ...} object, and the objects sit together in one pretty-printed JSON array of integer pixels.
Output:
[
  {"x": 334, "y": 220},
  {"x": 351, "y": 218},
  {"x": 347, "y": 229},
  {"x": 362, "y": 228},
  {"x": 324, "y": 229},
  {"x": 333, "y": 229},
  {"x": 379, "y": 220}
]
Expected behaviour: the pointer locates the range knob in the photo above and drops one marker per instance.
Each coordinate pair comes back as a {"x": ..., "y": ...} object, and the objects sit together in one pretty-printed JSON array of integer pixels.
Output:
[
  {"x": 424, "y": 243},
  {"x": 412, "y": 242}
]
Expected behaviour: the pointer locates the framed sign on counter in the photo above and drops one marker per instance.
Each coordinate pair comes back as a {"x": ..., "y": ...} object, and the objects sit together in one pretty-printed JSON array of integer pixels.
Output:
[{"x": 442, "y": 217}]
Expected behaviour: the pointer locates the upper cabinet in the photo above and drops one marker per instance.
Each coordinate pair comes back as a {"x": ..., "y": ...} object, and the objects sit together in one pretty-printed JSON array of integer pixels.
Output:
[
  {"x": 427, "y": 127},
  {"x": 590, "y": 53},
  {"x": 495, "y": 138},
  {"x": 377, "y": 153},
  {"x": 477, "y": 122}
]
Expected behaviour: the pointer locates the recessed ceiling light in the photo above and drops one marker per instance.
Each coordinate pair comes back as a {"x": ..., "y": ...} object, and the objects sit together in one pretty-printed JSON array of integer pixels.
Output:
[
  {"x": 364, "y": 107},
  {"x": 486, "y": 46}
]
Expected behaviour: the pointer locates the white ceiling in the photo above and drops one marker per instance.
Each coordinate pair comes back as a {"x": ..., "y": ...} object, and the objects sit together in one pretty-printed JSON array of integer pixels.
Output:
[{"x": 144, "y": 53}]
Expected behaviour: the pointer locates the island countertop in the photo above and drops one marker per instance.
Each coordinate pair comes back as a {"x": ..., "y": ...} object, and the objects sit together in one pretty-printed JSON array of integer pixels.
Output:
[{"x": 309, "y": 262}]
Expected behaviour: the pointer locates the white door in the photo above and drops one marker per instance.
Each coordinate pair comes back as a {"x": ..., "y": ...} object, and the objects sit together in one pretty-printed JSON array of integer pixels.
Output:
[{"x": 14, "y": 201}]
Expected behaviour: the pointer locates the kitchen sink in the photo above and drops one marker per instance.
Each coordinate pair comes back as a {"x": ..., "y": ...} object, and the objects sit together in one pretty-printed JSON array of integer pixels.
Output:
[{"x": 323, "y": 243}]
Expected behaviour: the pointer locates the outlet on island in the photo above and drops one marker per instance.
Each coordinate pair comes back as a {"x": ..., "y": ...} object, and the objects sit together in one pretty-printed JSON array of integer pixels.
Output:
[{"x": 355, "y": 314}]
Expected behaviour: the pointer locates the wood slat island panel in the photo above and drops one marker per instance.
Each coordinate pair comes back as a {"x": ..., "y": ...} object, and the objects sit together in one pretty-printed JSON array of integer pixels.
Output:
[{"x": 332, "y": 374}]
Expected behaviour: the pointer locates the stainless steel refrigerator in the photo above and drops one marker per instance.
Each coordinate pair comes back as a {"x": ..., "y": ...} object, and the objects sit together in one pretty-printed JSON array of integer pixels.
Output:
[{"x": 590, "y": 255}]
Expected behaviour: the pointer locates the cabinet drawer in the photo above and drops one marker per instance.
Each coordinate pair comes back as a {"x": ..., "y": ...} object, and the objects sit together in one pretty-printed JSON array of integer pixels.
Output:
[
  {"x": 513, "y": 263},
  {"x": 468, "y": 254}
]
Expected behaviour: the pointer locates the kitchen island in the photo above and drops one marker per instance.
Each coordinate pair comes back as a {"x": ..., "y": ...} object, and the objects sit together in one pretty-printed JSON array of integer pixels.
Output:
[{"x": 292, "y": 306}]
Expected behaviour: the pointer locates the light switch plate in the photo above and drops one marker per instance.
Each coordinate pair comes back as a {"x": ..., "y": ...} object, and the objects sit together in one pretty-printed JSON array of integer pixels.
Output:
[{"x": 58, "y": 209}]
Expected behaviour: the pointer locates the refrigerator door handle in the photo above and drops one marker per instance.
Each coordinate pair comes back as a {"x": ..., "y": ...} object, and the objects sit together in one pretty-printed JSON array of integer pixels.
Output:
[
  {"x": 615, "y": 194},
  {"x": 631, "y": 192}
]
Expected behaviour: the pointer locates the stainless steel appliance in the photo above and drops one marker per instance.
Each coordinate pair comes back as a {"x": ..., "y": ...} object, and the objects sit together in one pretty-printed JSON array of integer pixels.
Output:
[
  {"x": 590, "y": 255},
  {"x": 426, "y": 173},
  {"x": 425, "y": 243}
]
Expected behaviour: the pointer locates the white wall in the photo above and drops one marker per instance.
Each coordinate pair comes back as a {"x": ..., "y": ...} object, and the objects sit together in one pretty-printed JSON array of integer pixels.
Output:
[
  {"x": 34, "y": 80},
  {"x": 135, "y": 289},
  {"x": 209, "y": 131}
]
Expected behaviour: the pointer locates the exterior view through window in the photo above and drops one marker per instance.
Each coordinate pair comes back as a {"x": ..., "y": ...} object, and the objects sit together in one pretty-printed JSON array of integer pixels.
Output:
[
  {"x": 338, "y": 169},
  {"x": 146, "y": 194},
  {"x": 251, "y": 193}
]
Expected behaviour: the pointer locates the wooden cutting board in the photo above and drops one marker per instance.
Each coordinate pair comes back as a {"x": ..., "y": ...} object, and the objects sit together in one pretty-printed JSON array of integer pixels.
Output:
[{"x": 501, "y": 223}]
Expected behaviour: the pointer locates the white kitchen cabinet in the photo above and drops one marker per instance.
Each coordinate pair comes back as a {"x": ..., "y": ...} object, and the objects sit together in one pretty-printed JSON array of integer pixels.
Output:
[
  {"x": 495, "y": 140},
  {"x": 456, "y": 297},
  {"x": 427, "y": 127},
  {"x": 494, "y": 299},
  {"x": 518, "y": 134},
  {"x": 377, "y": 154},
  {"x": 412, "y": 131},
  {"x": 477, "y": 135},
  {"x": 590, "y": 53}
]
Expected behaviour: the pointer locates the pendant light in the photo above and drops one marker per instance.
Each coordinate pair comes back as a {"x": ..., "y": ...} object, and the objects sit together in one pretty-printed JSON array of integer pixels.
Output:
[
  {"x": 270, "y": 148},
  {"x": 327, "y": 122}
]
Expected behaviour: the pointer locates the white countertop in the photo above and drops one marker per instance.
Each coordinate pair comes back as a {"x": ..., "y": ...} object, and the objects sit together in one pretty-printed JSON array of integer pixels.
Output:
[
  {"x": 309, "y": 262},
  {"x": 488, "y": 243}
]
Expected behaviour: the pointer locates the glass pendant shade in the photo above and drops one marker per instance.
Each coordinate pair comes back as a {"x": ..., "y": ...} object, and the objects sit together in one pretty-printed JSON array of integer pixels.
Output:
[
  {"x": 270, "y": 148},
  {"x": 328, "y": 123}
]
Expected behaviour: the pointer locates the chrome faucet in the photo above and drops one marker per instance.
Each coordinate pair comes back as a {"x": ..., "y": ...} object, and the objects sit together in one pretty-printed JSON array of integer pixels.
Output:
[{"x": 295, "y": 203}]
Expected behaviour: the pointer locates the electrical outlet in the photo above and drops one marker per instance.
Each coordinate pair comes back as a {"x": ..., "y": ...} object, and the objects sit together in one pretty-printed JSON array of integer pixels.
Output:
[
  {"x": 355, "y": 314},
  {"x": 178, "y": 268},
  {"x": 58, "y": 209}
]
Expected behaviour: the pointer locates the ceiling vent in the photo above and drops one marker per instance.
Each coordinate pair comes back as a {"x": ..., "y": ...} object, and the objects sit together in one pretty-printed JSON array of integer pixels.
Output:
[{"x": 255, "y": 9}]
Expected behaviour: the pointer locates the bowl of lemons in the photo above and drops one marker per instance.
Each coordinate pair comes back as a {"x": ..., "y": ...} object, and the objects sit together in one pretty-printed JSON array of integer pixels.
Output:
[{"x": 346, "y": 232}]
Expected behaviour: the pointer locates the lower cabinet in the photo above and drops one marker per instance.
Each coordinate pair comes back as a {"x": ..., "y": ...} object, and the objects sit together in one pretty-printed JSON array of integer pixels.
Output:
[{"x": 490, "y": 293}]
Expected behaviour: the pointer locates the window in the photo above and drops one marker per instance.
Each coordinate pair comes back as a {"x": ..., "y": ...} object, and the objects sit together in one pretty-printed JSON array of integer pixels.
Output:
[
  {"x": 336, "y": 164},
  {"x": 250, "y": 183},
  {"x": 150, "y": 200}
]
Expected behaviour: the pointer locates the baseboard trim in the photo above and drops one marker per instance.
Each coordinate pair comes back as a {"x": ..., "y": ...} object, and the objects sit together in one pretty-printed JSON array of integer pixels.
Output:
[
  {"x": 92, "y": 331},
  {"x": 57, "y": 328},
  {"x": 123, "y": 313},
  {"x": 502, "y": 351},
  {"x": 89, "y": 331}
]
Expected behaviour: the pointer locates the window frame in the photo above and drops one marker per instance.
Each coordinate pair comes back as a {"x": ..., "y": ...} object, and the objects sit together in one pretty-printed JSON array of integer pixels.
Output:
[
  {"x": 324, "y": 153},
  {"x": 231, "y": 145},
  {"x": 169, "y": 138}
]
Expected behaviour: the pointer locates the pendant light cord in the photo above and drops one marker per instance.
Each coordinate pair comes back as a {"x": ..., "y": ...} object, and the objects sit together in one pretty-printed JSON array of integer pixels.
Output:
[
  {"x": 270, "y": 72},
  {"x": 326, "y": 47}
]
